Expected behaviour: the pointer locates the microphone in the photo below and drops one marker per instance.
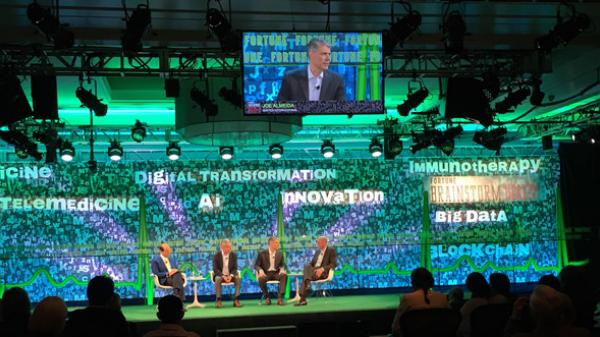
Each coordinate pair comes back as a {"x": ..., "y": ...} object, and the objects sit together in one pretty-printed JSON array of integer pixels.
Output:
[{"x": 318, "y": 87}]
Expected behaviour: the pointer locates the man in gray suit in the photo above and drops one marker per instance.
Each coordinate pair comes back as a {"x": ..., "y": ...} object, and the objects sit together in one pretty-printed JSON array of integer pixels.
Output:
[
  {"x": 324, "y": 260},
  {"x": 271, "y": 267},
  {"x": 315, "y": 82}
]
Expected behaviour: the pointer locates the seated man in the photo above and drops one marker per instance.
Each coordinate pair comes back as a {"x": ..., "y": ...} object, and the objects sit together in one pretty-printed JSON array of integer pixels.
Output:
[
  {"x": 163, "y": 266},
  {"x": 170, "y": 312},
  {"x": 324, "y": 260},
  {"x": 271, "y": 267},
  {"x": 225, "y": 270}
]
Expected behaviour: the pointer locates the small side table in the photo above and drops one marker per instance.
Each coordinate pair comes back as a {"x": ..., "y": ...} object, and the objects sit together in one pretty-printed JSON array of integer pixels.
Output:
[
  {"x": 196, "y": 303},
  {"x": 297, "y": 297}
]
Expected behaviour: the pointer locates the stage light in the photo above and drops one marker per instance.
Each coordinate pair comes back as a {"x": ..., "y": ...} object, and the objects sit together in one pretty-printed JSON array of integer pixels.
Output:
[
  {"x": 537, "y": 96},
  {"x": 445, "y": 140},
  {"x": 563, "y": 32},
  {"x": 138, "y": 132},
  {"x": 513, "y": 99},
  {"x": 220, "y": 26},
  {"x": 232, "y": 96},
  {"x": 454, "y": 30},
  {"x": 21, "y": 143},
  {"x": 226, "y": 152},
  {"x": 173, "y": 151},
  {"x": 468, "y": 98},
  {"x": 400, "y": 30},
  {"x": 276, "y": 151},
  {"x": 492, "y": 139},
  {"x": 413, "y": 100},
  {"x": 14, "y": 105},
  {"x": 587, "y": 135},
  {"x": 91, "y": 102},
  {"x": 50, "y": 26},
  {"x": 204, "y": 102},
  {"x": 48, "y": 136},
  {"x": 423, "y": 140},
  {"x": 115, "y": 150},
  {"x": 491, "y": 85},
  {"x": 375, "y": 148},
  {"x": 136, "y": 25},
  {"x": 67, "y": 151},
  {"x": 327, "y": 148}
]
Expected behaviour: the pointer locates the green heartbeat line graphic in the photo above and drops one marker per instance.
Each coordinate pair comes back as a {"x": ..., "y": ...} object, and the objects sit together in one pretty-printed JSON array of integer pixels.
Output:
[{"x": 250, "y": 274}]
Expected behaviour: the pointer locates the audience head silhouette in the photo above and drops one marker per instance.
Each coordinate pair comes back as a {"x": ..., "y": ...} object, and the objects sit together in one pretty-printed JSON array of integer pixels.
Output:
[
  {"x": 477, "y": 285},
  {"x": 421, "y": 279},
  {"x": 170, "y": 309},
  {"x": 551, "y": 281},
  {"x": 100, "y": 290},
  {"x": 500, "y": 284},
  {"x": 16, "y": 306},
  {"x": 48, "y": 318}
]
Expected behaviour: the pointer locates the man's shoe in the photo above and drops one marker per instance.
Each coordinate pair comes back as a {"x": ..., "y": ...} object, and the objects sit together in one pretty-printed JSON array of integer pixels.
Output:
[
  {"x": 236, "y": 303},
  {"x": 301, "y": 302},
  {"x": 267, "y": 301},
  {"x": 279, "y": 301},
  {"x": 219, "y": 304}
]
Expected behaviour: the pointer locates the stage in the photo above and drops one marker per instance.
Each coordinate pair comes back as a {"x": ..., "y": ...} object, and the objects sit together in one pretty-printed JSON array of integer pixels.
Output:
[{"x": 331, "y": 316}]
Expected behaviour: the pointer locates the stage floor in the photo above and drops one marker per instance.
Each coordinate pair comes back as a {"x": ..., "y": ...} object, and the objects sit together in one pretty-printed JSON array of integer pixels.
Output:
[{"x": 146, "y": 313}]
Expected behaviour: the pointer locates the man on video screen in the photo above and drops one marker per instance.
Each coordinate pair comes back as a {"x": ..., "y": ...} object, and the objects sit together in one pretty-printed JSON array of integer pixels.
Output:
[{"x": 315, "y": 82}]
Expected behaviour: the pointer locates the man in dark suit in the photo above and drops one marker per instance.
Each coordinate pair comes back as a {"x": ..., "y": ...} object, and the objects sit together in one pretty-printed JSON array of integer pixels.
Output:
[
  {"x": 225, "y": 271},
  {"x": 271, "y": 267},
  {"x": 163, "y": 266},
  {"x": 324, "y": 260},
  {"x": 315, "y": 82}
]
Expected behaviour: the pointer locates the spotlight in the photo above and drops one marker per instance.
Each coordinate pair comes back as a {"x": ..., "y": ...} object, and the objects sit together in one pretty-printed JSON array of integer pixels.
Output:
[
  {"x": 136, "y": 26},
  {"x": 491, "y": 140},
  {"x": 454, "y": 30},
  {"x": 226, "y": 152},
  {"x": 232, "y": 96},
  {"x": 467, "y": 98},
  {"x": 563, "y": 32},
  {"x": 413, "y": 100},
  {"x": 400, "y": 30},
  {"x": 276, "y": 151},
  {"x": 537, "y": 96},
  {"x": 375, "y": 148},
  {"x": 204, "y": 102},
  {"x": 173, "y": 151},
  {"x": 513, "y": 99},
  {"x": 445, "y": 140},
  {"x": 67, "y": 151},
  {"x": 327, "y": 148},
  {"x": 220, "y": 26},
  {"x": 14, "y": 104},
  {"x": 138, "y": 132},
  {"x": 392, "y": 145},
  {"x": 91, "y": 102},
  {"x": 115, "y": 150},
  {"x": 48, "y": 136},
  {"x": 22, "y": 143},
  {"x": 491, "y": 85},
  {"x": 424, "y": 140},
  {"x": 589, "y": 135},
  {"x": 50, "y": 26}
]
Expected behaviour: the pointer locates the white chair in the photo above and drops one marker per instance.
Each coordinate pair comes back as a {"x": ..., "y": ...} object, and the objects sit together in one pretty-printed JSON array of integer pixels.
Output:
[
  {"x": 165, "y": 287},
  {"x": 212, "y": 279},
  {"x": 268, "y": 282},
  {"x": 320, "y": 285}
]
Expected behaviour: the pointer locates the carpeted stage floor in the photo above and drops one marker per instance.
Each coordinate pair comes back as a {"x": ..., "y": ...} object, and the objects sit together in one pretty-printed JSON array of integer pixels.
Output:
[{"x": 365, "y": 315}]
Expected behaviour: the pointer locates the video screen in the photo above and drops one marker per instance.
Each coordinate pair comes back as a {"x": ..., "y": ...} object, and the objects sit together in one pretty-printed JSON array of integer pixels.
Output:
[{"x": 288, "y": 73}]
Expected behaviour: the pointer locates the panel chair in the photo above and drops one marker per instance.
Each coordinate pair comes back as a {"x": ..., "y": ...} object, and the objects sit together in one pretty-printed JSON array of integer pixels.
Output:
[
  {"x": 262, "y": 297},
  {"x": 322, "y": 287},
  {"x": 163, "y": 288},
  {"x": 212, "y": 279}
]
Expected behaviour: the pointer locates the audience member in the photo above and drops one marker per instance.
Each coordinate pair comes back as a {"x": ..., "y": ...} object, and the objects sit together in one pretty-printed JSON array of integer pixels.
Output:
[
  {"x": 170, "y": 312},
  {"x": 98, "y": 319},
  {"x": 456, "y": 298},
  {"x": 16, "y": 309},
  {"x": 551, "y": 281},
  {"x": 500, "y": 289},
  {"x": 575, "y": 283},
  {"x": 48, "y": 318},
  {"x": 551, "y": 312},
  {"x": 423, "y": 297},
  {"x": 480, "y": 292}
]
